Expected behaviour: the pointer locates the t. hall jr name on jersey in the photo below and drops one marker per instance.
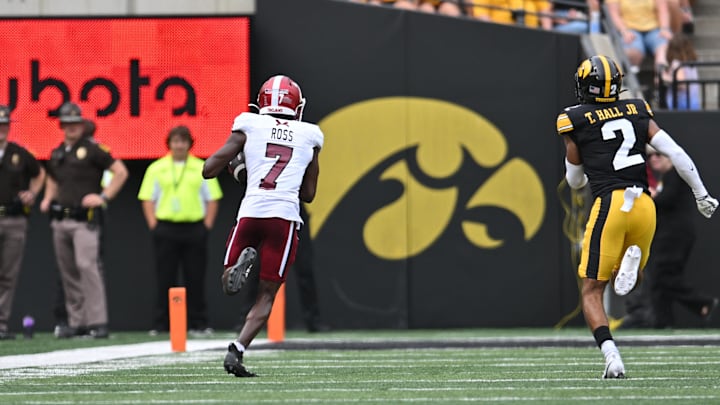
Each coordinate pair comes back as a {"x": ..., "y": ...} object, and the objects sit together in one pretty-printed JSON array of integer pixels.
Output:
[{"x": 602, "y": 114}]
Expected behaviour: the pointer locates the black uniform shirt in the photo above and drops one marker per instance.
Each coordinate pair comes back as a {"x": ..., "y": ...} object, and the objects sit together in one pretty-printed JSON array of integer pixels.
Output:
[
  {"x": 17, "y": 167},
  {"x": 676, "y": 207},
  {"x": 611, "y": 138},
  {"x": 78, "y": 170}
]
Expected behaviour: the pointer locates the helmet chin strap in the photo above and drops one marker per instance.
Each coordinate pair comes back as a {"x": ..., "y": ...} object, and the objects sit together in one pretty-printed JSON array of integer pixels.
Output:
[{"x": 299, "y": 109}]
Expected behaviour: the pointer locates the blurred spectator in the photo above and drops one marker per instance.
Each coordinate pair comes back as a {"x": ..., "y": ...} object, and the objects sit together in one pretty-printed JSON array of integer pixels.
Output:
[
  {"x": 451, "y": 8},
  {"x": 180, "y": 208},
  {"x": 673, "y": 243},
  {"x": 576, "y": 16},
  {"x": 402, "y": 4},
  {"x": 529, "y": 13},
  {"x": 21, "y": 179},
  {"x": 681, "y": 16},
  {"x": 680, "y": 49},
  {"x": 645, "y": 28}
]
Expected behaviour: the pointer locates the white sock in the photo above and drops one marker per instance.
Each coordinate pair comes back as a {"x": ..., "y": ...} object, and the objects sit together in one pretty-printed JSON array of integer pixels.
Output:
[
  {"x": 241, "y": 348},
  {"x": 608, "y": 347}
]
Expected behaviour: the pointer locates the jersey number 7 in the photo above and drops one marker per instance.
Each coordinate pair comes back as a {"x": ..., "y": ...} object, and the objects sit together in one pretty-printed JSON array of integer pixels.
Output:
[{"x": 282, "y": 154}]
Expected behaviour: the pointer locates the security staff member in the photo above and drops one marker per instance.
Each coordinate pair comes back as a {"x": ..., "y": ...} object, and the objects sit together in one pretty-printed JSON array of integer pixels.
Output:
[
  {"x": 74, "y": 200},
  {"x": 59, "y": 310},
  {"x": 21, "y": 179},
  {"x": 180, "y": 208}
]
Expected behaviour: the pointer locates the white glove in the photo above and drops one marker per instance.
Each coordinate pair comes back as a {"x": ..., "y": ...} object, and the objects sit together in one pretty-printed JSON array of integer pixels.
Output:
[{"x": 707, "y": 205}]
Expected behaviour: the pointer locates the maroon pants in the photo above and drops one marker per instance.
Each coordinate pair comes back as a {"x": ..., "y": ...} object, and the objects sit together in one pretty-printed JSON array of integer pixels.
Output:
[{"x": 275, "y": 239}]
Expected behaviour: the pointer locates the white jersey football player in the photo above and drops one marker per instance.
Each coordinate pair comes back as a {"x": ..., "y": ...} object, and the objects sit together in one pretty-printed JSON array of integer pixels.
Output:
[
  {"x": 280, "y": 153},
  {"x": 277, "y": 152}
]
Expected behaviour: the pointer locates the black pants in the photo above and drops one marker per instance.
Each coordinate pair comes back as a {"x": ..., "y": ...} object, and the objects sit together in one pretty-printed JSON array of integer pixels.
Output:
[
  {"x": 303, "y": 269},
  {"x": 181, "y": 247},
  {"x": 671, "y": 251}
]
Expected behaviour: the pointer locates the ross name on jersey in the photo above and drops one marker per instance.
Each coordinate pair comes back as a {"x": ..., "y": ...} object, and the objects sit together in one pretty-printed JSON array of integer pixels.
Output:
[
  {"x": 602, "y": 114},
  {"x": 282, "y": 134}
]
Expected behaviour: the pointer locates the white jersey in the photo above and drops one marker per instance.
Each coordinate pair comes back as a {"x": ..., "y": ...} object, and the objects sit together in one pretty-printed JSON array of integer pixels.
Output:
[{"x": 277, "y": 152}]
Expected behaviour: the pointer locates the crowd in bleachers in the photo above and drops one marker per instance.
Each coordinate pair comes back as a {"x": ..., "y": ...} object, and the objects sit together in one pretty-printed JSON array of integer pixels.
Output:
[
  {"x": 645, "y": 29},
  {"x": 564, "y": 15}
]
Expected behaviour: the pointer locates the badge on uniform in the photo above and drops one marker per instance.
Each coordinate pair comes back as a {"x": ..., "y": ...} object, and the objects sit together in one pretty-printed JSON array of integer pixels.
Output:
[{"x": 175, "y": 204}]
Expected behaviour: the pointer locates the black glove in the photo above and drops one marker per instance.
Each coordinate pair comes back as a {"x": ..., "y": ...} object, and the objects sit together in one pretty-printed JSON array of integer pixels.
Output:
[{"x": 236, "y": 168}]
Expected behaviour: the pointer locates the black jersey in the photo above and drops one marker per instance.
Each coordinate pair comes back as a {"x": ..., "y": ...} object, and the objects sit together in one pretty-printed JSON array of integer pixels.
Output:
[{"x": 611, "y": 138}]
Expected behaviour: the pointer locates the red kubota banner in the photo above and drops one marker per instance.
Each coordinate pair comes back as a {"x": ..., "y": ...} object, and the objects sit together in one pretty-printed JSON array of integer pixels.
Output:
[{"x": 135, "y": 77}]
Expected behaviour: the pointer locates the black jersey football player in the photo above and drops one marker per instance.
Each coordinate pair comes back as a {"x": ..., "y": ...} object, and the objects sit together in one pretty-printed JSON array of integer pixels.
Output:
[{"x": 605, "y": 140}]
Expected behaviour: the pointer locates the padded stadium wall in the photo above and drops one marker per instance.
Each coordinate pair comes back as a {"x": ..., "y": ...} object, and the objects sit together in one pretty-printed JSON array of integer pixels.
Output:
[{"x": 437, "y": 203}]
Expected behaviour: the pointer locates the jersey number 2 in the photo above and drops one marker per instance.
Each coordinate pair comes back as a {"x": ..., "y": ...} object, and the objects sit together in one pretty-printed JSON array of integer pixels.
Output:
[
  {"x": 282, "y": 154},
  {"x": 622, "y": 157}
]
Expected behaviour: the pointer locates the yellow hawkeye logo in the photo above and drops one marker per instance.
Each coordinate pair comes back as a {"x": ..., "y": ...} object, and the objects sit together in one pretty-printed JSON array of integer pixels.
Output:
[{"x": 429, "y": 149}]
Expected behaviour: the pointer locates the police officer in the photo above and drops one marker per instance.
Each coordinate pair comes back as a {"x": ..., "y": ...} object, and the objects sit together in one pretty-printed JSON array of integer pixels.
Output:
[
  {"x": 59, "y": 310},
  {"x": 21, "y": 179},
  {"x": 74, "y": 198}
]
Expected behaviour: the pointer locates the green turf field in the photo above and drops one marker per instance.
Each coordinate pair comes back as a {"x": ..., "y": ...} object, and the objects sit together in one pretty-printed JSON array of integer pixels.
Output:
[{"x": 674, "y": 374}]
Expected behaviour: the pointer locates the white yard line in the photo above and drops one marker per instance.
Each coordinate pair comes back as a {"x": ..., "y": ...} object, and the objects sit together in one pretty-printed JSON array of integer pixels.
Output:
[
  {"x": 113, "y": 352},
  {"x": 104, "y": 353}
]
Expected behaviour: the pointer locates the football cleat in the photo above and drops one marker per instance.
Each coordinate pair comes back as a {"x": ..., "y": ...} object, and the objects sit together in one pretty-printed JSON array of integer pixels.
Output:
[
  {"x": 709, "y": 309},
  {"x": 98, "y": 332},
  {"x": 234, "y": 277},
  {"x": 627, "y": 276},
  {"x": 66, "y": 332},
  {"x": 614, "y": 367},
  {"x": 233, "y": 363}
]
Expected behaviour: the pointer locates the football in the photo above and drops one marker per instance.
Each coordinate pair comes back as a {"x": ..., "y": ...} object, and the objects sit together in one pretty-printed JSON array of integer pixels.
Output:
[{"x": 236, "y": 167}]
